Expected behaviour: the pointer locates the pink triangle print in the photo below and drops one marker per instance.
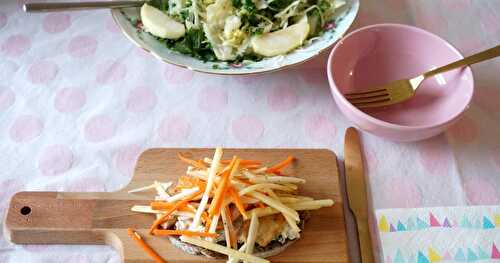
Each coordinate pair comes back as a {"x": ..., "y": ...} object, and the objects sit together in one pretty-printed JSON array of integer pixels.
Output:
[
  {"x": 447, "y": 256},
  {"x": 494, "y": 252},
  {"x": 433, "y": 221}
]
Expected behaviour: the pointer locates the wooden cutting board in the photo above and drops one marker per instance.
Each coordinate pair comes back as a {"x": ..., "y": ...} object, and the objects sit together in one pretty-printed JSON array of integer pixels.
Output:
[{"x": 102, "y": 218}]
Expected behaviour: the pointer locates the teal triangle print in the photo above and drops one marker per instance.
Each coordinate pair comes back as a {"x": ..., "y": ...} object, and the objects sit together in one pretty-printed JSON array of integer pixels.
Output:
[
  {"x": 487, "y": 224},
  {"x": 465, "y": 223},
  {"x": 401, "y": 227},
  {"x": 471, "y": 256},
  {"x": 481, "y": 253},
  {"x": 421, "y": 224},
  {"x": 460, "y": 255},
  {"x": 398, "y": 258},
  {"x": 422, "y": 258},
  {"x": 410, "y": 224}
]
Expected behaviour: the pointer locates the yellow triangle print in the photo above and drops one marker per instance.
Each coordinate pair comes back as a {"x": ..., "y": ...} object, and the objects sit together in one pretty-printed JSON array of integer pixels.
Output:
[
  {"x": 497, "y": 220},
  {"x": 434, "y": 256},
  {"x": 383, "y": 225}
]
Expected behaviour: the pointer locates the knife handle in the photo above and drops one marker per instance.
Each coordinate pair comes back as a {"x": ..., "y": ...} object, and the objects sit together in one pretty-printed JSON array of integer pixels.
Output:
[{"x": 365, "y": 243}]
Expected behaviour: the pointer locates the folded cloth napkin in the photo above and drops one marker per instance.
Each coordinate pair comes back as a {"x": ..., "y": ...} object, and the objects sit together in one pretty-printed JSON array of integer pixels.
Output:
[{"x": 440, "y": 234}]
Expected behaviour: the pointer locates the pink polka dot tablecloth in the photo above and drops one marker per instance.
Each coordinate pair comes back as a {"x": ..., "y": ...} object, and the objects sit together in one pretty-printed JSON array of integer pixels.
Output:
[{"x": 78, "y": 104}]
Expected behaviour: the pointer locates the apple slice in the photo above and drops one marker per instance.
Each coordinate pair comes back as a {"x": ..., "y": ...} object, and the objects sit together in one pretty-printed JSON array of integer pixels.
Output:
[
  {"x": 281, "y": 41},
  {"x": 160, "y": 24}
]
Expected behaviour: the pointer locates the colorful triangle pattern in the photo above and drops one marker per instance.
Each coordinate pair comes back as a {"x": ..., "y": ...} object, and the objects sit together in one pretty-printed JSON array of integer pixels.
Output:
[
  {"x": 433, "y": 221},
  {"x": 433, "y": 255},
  {"x": 383, "y": 225},
  {"x": 471, "y": 256},
  {"x": 446, "y": 223},
  {"x": 421, "y": 258},
  {"x": 413, "y": 224},
  {"x": 481, "y": 253},
  {"x": 494, "y": 252},
  {"x": 421, "y": 224},
  {"x": 459, "y": 256},
  {"x": 487, "y": 224},
  {"x": 401, "y": 227}
]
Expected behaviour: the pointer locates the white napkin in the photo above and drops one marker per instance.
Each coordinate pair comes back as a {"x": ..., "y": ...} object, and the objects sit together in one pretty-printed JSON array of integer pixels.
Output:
[{"x": 440, "y": 234}]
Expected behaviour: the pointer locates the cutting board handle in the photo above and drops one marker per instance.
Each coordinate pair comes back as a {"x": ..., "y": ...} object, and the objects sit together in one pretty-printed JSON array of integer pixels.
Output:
[
  {"x": 71, "y": 218},
  {"x": 42, "y": 217}
]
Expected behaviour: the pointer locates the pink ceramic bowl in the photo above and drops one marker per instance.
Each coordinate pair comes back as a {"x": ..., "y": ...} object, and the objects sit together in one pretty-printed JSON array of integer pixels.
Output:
[{"x": 377, "y": 54}]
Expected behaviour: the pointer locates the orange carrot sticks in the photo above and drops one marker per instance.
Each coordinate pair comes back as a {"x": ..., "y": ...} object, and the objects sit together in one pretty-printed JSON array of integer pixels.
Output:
[
  {"x": 276, "y": 168},
  {"x": 237, "y": 201},
  {"x": 243, "y": 162},
  {"x": 177, "y": 205},
  {"x": 158, "y": 232},
  {"x": 138, "y": 239},
  {"x": 192, "y": 162}
]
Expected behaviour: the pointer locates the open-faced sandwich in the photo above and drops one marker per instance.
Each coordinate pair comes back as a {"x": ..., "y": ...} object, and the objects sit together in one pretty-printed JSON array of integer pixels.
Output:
[{"x": 236, "y": 209}]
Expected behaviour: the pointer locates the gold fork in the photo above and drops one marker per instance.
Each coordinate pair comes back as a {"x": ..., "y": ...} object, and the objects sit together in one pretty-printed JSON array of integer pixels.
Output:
[{"x": 403, "y": 89}]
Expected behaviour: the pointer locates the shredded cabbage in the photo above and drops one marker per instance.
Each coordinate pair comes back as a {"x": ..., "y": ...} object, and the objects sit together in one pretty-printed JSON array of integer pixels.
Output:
[{"x": 223, "y": 29}]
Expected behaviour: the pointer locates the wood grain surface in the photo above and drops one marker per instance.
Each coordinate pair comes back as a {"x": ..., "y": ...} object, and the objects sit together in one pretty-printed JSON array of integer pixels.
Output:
[{"x": 102, "y": 218}]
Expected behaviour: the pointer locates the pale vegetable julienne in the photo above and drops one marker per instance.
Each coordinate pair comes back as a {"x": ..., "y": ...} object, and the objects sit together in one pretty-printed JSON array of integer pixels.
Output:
[
  {"x": 215, "y": 193},
  {"x": 234, "y": 30}
]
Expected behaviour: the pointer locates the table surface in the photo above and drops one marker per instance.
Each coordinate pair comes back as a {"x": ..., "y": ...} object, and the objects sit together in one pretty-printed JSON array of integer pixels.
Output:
[{"x": 78, "y": 103}]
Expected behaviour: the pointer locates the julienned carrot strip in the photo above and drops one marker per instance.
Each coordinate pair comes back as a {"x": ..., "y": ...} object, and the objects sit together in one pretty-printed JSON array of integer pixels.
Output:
[
  {"x": 243, "y": 162},
  {"x": 281, "y": 165},
  {"x": 237, "y": 201},
  {"x": 158, "y": 232},
  {"x": 207, "y": 224},
  {"x": 177, "y": 205},
  {"x": 204, "y": 217},
  {"x": 251, "y": 166},
  {"x": 218, "y": 198},
  {"x": 226, "y": 179},
  {"x": 261, "y": 205},
  {"x": 162, "y": 206},
  {"x": 192, "y": 162},
  {"x": 138, "y": 239}
]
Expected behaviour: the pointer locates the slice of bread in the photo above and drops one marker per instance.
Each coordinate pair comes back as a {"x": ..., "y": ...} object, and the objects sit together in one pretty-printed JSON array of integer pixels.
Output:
[{"x": 273, "y": 248}]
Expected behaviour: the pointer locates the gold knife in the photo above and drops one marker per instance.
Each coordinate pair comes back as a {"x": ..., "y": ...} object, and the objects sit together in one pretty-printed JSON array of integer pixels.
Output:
[{"x": 356, "y": 191}]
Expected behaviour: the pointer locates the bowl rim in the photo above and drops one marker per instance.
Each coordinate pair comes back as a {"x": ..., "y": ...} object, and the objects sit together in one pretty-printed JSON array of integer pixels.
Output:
[
  {"x": 336, "y": 92},
  {"x": 355, "y": 3}
]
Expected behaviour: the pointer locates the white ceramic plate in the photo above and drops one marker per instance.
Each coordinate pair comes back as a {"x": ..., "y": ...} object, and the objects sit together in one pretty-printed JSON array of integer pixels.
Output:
[{"x": 334, "y": 31}]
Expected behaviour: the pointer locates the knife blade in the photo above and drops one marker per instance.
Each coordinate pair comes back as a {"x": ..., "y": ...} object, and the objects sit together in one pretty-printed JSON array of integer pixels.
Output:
[{"x": 356, "y": 191}]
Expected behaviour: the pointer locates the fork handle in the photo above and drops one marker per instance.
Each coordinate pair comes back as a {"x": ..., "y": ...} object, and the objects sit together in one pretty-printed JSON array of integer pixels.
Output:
[
  {"x": 74, "y": 6},
  {"x": 481, "y": 56}
]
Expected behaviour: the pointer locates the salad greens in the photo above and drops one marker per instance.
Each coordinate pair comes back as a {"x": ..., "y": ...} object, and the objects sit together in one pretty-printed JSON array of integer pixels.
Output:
[{"x": 225, "y": 29}]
